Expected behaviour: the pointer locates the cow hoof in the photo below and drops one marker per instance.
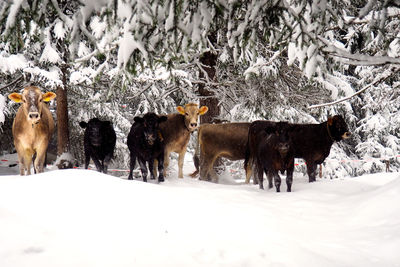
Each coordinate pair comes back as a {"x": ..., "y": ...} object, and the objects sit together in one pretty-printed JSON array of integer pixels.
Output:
[{"x": 161, "y": 179}]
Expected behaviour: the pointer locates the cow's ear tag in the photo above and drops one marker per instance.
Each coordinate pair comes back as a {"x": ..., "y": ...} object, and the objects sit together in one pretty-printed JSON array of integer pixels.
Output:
[
  {"x": 203, "y": 110},
  {"x": 48, "y": 96},
  {"x": 181, "y": 110},
  {"x": 17, "y": 98},
  {"x": 330, "y": 121}
]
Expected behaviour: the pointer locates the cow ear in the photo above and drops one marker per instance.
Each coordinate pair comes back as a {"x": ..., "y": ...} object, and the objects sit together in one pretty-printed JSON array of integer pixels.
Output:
[
  {"x": 17, "y": 98},
  {"x": 181, "y": 110},
  {"x": 330, "y": 121},
  {"x": 48, "y": 96},
  {"x": 138, "y": 119},
  {"x": 203, "y": 110},
  {"x": 162, "y": 118},
  {"x": 83, "y": 124}
]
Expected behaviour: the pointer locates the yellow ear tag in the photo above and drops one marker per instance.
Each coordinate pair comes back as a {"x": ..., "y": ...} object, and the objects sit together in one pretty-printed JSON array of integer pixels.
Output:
[
  {"x": 49, "y": 96},
  {"x": 203, "y": 110}
]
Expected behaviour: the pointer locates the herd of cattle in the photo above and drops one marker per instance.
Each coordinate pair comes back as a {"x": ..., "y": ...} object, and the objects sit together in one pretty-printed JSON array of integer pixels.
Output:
[{"x": 266, "y": 146}]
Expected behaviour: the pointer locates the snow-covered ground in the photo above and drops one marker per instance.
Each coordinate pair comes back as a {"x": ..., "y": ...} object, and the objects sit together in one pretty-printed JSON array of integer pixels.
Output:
[{"x": 84, "y": 218}]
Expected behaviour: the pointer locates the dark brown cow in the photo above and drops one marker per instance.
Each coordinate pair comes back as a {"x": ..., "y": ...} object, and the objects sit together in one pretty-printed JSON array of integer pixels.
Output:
[
  {"x": 312, "y": 142},
  {"x": 32, "y": 128},
  {"x": 227, "y": 140},
  {"x": 176, "y": 132}
]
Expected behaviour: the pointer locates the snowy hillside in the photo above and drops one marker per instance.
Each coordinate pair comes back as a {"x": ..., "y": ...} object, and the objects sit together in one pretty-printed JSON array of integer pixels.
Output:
[{"x": 84, "y": 218}]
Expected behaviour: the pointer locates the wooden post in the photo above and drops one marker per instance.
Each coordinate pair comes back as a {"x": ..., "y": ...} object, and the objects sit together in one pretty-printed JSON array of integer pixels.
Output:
[{"x": 387, "y": 165}]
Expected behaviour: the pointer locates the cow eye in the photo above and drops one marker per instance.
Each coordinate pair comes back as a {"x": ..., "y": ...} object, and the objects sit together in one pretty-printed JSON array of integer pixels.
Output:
[{"x": 186, "y": 114}]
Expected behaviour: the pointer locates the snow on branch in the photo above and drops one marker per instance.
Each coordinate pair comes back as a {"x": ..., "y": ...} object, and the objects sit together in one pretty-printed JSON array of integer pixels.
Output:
[
  {"x": 379, "y": 79},
  {"x": 357, "y": 59}
]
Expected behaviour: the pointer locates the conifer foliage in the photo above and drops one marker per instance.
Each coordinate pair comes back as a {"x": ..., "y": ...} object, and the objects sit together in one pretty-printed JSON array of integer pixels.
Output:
[{"x": 121, "y": 58}]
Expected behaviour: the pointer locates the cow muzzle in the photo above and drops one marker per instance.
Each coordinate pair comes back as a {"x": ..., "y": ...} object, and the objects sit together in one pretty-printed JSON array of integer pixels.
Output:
[
  {"x": 150, "y": 139},
  {"x": 192, "y": 127},
  {"x": 34, "y": 117}
]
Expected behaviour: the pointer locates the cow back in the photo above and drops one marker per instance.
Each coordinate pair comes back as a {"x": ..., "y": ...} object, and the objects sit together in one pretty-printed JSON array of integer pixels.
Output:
[{"x": 226, "y": 140}]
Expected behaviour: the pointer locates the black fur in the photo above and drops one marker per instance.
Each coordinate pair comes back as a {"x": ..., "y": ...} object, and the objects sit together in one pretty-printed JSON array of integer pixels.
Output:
[
  {"x": 146, "y": 144},
  {"x": 99, "y": 143}
]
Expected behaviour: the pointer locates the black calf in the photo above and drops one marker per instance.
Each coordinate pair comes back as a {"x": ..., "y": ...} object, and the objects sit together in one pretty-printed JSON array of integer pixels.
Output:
[
  {"x": 99, "y": 143},
  {"x": 275, "y": 153},
  {"x": 146, "y": 144}
]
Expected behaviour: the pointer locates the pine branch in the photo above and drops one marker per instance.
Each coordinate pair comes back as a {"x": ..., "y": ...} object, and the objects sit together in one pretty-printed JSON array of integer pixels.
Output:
[{"x": 378, "y": 80}]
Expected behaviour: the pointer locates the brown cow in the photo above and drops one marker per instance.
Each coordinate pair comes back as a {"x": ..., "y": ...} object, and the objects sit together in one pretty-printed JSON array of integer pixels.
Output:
[
  {"x": 227, "y": 140},
  {"x": 176, "y": 132},
  {"x": 32, "y": 128}
]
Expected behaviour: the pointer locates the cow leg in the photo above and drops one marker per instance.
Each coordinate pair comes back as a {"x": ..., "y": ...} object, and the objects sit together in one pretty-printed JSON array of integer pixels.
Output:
[
  {"x": 104, "y": 164},
  {"x": 27, "y": 161},
  {"x": 289, "y": 176},
  {"x": 196, "y": 162},
  {"x": 22, "y": 165},
  {"x": 180, "y": 163},
  {"x": 269, "y": 177},
  {"x": 143, "y": 168},
  {"x": 96, "y": 161},
  {"x": 248, "y": 168},
  {"x": 260, "y": 177},
  {"x": 151, "y": 169},
  {"x": 132, "y": 166},
  {"x": 87, "y": 158},
  {"x": 311, "y": 171},
  {"x": 213, "y": 176},
  {"x": 206, "y": 163},
  {"x": 277, "y": 181},
  {"x": 39, "y": 160},
  {"x": 166, "y": 161},
  {"x": 161, "y": 168}
]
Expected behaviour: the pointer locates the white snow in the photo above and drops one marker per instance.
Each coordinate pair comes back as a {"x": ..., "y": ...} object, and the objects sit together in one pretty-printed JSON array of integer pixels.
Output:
[{"x": 84, "y": 218}]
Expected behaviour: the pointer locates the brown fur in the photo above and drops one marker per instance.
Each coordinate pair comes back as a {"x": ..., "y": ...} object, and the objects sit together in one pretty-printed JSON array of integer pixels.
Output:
[
  {"x": 227, "y": 140},
  {"x": 32, "y": 135},
  {"x": 176, "y": 132}
]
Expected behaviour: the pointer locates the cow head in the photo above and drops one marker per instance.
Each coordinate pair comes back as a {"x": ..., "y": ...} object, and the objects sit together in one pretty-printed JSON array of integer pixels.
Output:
[
  {"x": 151, "y": 123},
  {"x": 94, "y": 130},
  {"x": 192, "y": 113},
  {"x": 337, "y": 128},
  {"x": 32, "y": 102},
  {"x": 283, "y": 143}
]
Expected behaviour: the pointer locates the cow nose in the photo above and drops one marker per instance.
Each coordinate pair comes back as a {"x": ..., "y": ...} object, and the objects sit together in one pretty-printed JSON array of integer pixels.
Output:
[
  {"x": 193, "y": 125},
  {"x": 34, "y": 115}
]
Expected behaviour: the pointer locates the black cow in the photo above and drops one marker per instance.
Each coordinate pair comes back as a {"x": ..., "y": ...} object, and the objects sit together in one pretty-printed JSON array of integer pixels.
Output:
[
  {"x": 312, "y": 142},
  {"x": 99, "y": 143},
  {"x": 146, "y": 143},
  {"x": 275, "y": 153}
]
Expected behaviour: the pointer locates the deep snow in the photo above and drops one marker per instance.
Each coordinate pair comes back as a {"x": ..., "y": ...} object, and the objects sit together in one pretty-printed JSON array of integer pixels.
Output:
[{"x": 84, "y": 218}]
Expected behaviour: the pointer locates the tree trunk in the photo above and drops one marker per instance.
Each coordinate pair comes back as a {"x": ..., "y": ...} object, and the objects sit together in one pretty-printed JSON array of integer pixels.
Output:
[
  {"x": 208, "y": 61},
  {"x": 62, "y": 125}
]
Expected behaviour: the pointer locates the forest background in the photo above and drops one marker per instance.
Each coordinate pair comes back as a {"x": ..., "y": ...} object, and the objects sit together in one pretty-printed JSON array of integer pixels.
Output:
[{"x": 246, "y": 60}]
